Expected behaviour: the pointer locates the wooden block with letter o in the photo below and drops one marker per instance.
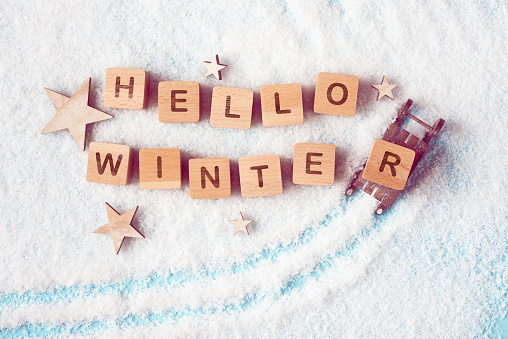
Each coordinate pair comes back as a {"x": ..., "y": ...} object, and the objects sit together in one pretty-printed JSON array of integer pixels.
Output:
[
  {"x": 179, "y": 101},
  {"x": 282, "y": 105},
  {"x": 109, "y": 164},
  {"x": 126, "y": 88},
  {"x": 160, "y": 168},
  {"x": 231, "y": 107},
  {"x": 389, "y": 164},
  {"x": 209, "y": 178},
  {"x": 336, "y": 94},
  {"x": 260, "y": 176},
  {"x": 314, "y": 164}
]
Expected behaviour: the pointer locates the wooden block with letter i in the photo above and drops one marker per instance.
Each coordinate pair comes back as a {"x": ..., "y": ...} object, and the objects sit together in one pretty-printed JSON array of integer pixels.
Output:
[
  {"x": 336, "y": 94},
  {"x": 282, "y": 105},
  {"x": 260, "y": 176},
  {"x": 179, "y": 101},
  {"x": 209, "y": 178},
  {"x": 109, "y": 164},
  {"x": 231, "y": 107},
  {"x": 160, "y": 168},
  {"x": 126, "y": 88},
  {"x": 389, "y": 164},
  {"x": 314, "y": 164}
]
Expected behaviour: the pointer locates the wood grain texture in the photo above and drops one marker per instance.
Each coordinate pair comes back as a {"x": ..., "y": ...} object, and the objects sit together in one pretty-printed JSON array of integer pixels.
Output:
[
  {"x": 160, "y": 168},
  {"x": 314, "y": 164},
  {"x": 209, "y": 178},
  {"x": 336, "y": 94},
  {"x": 260, "y": 176},
  {"x": 179, "y": 101},
  {"x": 231, "y": 107},
  {"x": 109, "y": 164},
  {"x": 281, "y": 105},
  {"x": 126, "y": 88}
]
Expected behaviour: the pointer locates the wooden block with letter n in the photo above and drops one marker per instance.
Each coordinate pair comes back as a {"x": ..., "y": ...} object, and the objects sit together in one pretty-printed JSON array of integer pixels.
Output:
[
  {"x": 160, "y": 168},
  {"x": 179, "y": 101},
  {"x": 282, "y": 105},
  {"x": 314, "y": 164},
  {"x": 126, "y": 88},
  {"x": 336, "y": 94},
  {"x": 209, "y": 178},
  {"x": 231, "y": 107},
  {"x": 109, "y": 164},
  {"x": 389, "y": 164},
  {"x": 260, "y": 176}
]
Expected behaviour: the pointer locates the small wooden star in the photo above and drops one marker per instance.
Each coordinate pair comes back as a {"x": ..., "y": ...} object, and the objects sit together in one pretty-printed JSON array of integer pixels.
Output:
[
  {"x": 74, "y": 113},
  {"x": 214, "y": 68},
  {"x": 240, "y": 224},
  {"x": 119, "y": 226},
  {"x": 385, "y": 89}
]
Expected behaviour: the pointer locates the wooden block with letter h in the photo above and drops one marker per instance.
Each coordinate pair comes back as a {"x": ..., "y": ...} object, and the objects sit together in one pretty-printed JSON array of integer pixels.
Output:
[
  {"x": 336, "y": 94},
  {"x": 126, "y": 88},
  {"x": 209, "y": 178},
  {"x": 231, "y": 107},
  {"x": 281, "y": 105},
  {"x": 109, "y": 164},
  {"x": 260, "y": 176},
  {"x": 179, "y": 101},
  {"x": 314, "y": 164},
  {"x": 160, "y": 168}
]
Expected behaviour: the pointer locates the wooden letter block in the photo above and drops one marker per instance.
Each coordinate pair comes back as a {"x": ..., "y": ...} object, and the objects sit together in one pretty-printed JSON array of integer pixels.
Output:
[
  {"x": 231, "y": 107},
  {"x": 179, "y": 101},
  {"x": 282, "y": 105},
  {"x": 336, "y": 94},
  {"x": 389, "y": 165},
  {"x": 314, "y": 164},
  {"x": 126, "y": 88},
  {"x": 260, "y": 176},
  {"x": 160, "y": 168},
  {"x": 109, "y": 164},
  {"x": 209, "y": 178}
]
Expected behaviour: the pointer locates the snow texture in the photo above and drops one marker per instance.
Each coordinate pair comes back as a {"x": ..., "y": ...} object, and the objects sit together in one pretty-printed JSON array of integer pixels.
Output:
[{"x": 316, "y": 263}]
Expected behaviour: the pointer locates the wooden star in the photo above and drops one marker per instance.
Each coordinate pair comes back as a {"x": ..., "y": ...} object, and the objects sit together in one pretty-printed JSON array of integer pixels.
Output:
[
  {"x": 74, "y": 113},
  {"x": 385, "y": 89},
  {"x": 119, "y": 226},
  {"x": 214, "y": 68},
  {"x": 240, "y": 224}
]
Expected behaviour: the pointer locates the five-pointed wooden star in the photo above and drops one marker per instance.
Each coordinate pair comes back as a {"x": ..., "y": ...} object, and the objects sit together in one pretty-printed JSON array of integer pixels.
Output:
[
  {"x": 240, "y": 224},
  {"x": 74, "y": 113},
  {"x": 385, "y": 89},
  {"x": 119, "y": 226},
  {"x": 214, "y": 68}
]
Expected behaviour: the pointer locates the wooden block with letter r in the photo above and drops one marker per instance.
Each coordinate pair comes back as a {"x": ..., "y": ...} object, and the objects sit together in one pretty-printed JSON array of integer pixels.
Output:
[
  {"x": 314, "y": 164},
  {"x": 260, "y": 175},
  {"x": 160, "y": 168},
  {"x": 209, "y": 178},
  {"x": 109, "y": 164},
  {"x": 281, "y": 104},
  {"x": 336, "y": 94},
  {"x": 126, "y": 88},
  {"x": 231, "y": 107},
  {"x": 179, "y": 101}
]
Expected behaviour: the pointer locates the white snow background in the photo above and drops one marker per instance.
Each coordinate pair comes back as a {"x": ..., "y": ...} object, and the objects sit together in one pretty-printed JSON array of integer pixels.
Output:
[{"x": 316, "y": 263}]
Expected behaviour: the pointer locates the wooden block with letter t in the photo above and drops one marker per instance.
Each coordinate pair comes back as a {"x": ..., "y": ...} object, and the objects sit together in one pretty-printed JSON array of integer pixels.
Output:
[
  {"x": 209, "y": 178},
  {"x": 160, "y": 168},
  {"x": 109, "y": 164},
  {"x": 231, "y": 107},
  {"x": 314, "y": 164},
  {"x": 282, "y": 105},
  {"x": 126, "y": 88},
  {"x": 336, "y": 94},
  {"x": 260, "y": 176},
  {"x": 389, "y": 165},
  {"x": 179, "y": 101}
]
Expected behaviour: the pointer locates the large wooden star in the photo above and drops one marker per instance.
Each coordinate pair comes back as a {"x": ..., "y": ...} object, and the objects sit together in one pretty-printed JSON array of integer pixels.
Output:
[
  {"x": 74, "y": 113},
  {"x": 119, "y": 226},
  {"x": 240, "y": 224},
  {"x": 385, "y": 89},
  {"x": 214, "y": 67}
]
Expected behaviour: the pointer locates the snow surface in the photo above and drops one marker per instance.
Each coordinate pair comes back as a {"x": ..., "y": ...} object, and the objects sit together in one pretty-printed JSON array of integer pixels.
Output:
[{"x": 316, "y": 263}]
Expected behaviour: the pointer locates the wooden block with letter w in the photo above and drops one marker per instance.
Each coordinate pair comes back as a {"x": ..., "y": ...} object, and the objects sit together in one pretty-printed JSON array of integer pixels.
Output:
[{"x": 109, "y": 164}]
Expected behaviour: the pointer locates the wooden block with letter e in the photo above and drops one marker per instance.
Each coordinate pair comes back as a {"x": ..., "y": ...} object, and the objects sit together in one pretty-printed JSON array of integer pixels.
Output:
[
  {"x": 282, "y": 105},
  {"x": 231, "y": 107},
  {"x": 209, "y": 178},
  {"x": 160, "y": 168},
  {"x": 336, "y": 94},
  {"x": 389, "y": 164},
  {"x": 179, "y": 101},
  {"x": 126, "y": 88},
  {"x": 109, "y": 164},
  {"x": 314, "y": 164},
  {"x": 260, "y": 175}
]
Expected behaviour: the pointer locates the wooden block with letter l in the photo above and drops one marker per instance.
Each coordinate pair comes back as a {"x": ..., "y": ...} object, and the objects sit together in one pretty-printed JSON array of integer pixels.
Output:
[
  {"x": 126, "y": 88},
  {"x": 209, "y": 178},
  {"x": 179, "y": 101},
  {"x": 160, "y": 168},
  {"x": 109, "y": 164},
  {"x": 231, "y": 107},
  {"x": 336, "y": 94},
  {"x": 260, "y": 175},
  {"x": 281, "y": 104},
  {"x": 314, "y": 164},
  {"x": 389, "y": 164}
]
